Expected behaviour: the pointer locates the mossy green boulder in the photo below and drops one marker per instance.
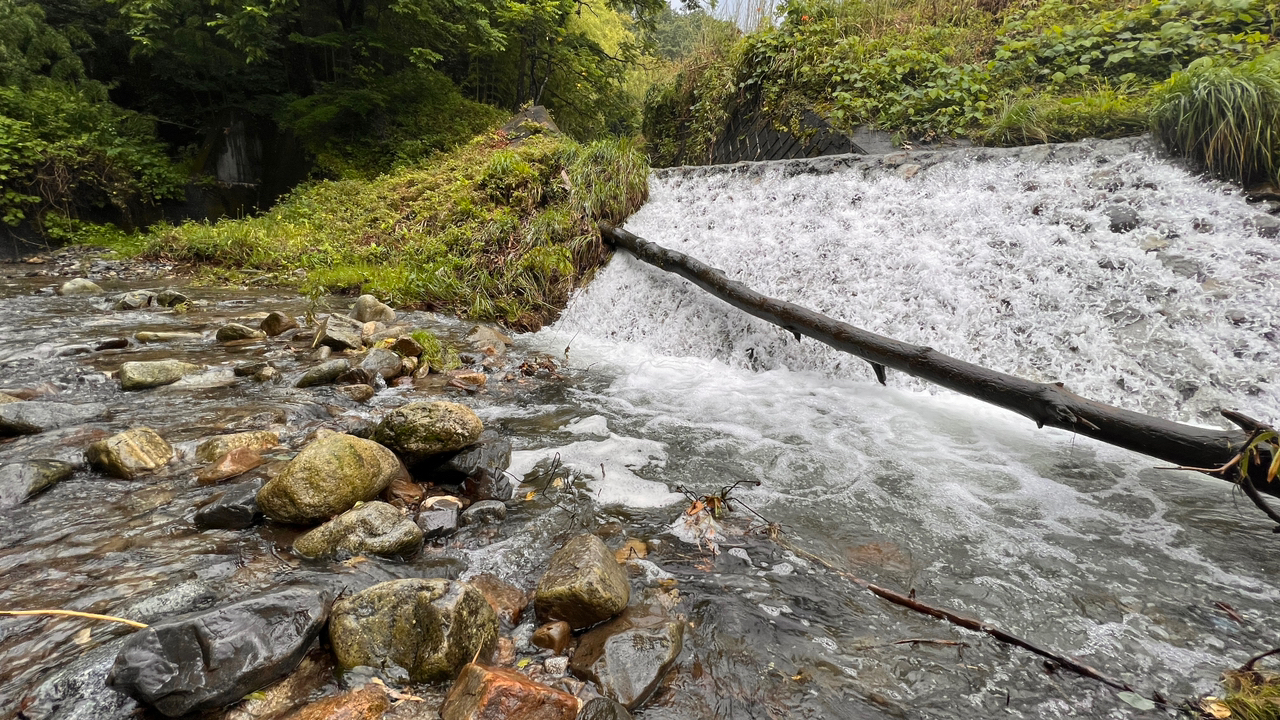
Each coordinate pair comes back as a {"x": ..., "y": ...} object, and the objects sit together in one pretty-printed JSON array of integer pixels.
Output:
[
  {"x": 583, "y": 585},
  {"x": 428, "y": 627},
  {"x": 153, "y": 373},
  {"x": 328, "y": 477},
  {"x": 130, "y": 453},
  {"x": 422, "y": 429},
  {"x": 374, "y": 528}
]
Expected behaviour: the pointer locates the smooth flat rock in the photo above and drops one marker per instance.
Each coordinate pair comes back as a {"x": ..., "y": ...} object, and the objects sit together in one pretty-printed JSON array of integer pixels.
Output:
[
  {"x": 324, "y": 373},
  {"x": 603, "y": 708},
  {"x": 368, "y": 703},
  {"x": 231, "y": 332},
  {"x": 216, "y": 447},
  {"x": 23, "y": 480},
  {"x": 628, "y": 657},
  {"x": 428, "y": 627},
  {"x": 372, "y": 528},
  {"x": 583, "y": 584},
  {"x": 37, "y": 416},
  {"x": 338, "y": 332},
  {"x": 235, "y": 463},
  {"x": 144, "y": 336},
  {"x": 329, "y": 477},
  {"x": 129, "y": 454},
  {"x": 554, "y": 636},
  {"x": 356, "y": 393},
  {"x": 419, "y": 430},
  {"x": 210, "y": 659},
  {"x": 235, "y": 509},
  {"x": 154, "y": 373},
  {"x": 438, "y": 522},
  {"x": 485, "y": 693}
]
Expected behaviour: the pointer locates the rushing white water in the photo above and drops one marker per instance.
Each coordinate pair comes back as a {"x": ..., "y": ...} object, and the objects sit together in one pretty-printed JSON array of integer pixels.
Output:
[{"x": 1008, "y": 263}]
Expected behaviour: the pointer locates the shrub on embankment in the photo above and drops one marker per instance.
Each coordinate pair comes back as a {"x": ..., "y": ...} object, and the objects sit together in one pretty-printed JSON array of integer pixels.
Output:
[
  {"x": 495, "y": 230},
  {"x": 997, "y": 72}
]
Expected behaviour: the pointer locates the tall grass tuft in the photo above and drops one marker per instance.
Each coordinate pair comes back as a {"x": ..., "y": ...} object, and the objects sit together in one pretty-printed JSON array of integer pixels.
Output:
[
  {"x": 1224, "y": 116},
  {"x": 610, "y": 178},
  {"x": 1102, "y": 112}
]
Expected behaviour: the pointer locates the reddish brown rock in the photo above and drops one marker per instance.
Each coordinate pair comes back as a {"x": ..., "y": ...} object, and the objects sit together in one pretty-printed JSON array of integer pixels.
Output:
[
  {"x": 508, "y": 601},
  {"x": 367, "y": 703},
  {"x": 237, "y": 462},
  {"x": 404, "y": 490},
  {"x": 483, "y": 693},
  {"x": 554, "y": 636}
]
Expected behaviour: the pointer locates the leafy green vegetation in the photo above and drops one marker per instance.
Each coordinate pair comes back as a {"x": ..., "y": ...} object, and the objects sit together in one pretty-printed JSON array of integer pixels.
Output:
[
  {"x": 495, "y": 230},
  {"x": 993, "y": 71}
]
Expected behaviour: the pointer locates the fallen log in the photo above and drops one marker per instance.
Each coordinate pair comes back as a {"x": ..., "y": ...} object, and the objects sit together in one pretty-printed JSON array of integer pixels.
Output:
[{"x": 1049, "y": 404}]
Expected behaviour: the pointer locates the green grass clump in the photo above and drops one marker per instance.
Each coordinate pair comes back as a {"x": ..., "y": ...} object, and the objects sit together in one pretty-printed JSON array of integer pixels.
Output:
[
  {"x": 435, "y": 354},
  {"x": 494, "y": 230},
  {"x": 1251, "y": 695},
  {"x": 1224, "y": 116},
  {"x": 1100, "y": 113}
]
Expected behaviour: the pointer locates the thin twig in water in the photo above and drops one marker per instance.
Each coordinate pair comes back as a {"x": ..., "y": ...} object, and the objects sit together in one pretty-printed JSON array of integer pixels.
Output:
[{"x": 73, "y": 613}]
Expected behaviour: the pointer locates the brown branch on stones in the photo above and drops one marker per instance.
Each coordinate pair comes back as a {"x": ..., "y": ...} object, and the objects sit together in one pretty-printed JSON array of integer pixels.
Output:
[
  {"x": 1049, "y": 404},
  {"x": 73, "y": 613}
]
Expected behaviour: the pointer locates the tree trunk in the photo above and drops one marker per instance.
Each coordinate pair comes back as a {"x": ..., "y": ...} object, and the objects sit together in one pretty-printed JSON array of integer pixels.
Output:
[{"x": 1046, "y": 403}]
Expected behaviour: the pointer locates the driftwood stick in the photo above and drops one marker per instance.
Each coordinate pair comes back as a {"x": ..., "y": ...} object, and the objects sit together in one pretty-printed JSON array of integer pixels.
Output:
[
  {"x": 74, "y": 613},
  {"x": 1045, "y": 403}
]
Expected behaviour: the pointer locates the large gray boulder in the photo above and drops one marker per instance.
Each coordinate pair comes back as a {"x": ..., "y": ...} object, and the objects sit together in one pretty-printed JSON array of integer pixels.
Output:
[
  {"x": 32, "y": 416},
  {"x": 370, "y": 309},
  {"x": 22, "y": 480},
  {"x": 373, "y": 528},
  {"x": 583, "y": 584},
  {"x": 629, "y": 656},
  {"x": 79, "y": 286},
  {"x": 131, "y": 453},
  {"x": 329, "y": 477},
  {"x": 153, "y": 373},
  {"x": 422, "y": 429},
  {"x": 428, "y": 627},
  {"x": 211, "y": 659}
]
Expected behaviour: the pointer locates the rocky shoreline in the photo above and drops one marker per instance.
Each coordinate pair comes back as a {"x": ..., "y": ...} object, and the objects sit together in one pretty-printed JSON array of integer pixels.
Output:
[{"x": 389, "y": 482}]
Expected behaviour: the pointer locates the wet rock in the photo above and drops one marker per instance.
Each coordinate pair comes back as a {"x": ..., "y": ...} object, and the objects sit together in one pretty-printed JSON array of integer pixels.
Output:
[
  {"x": 407, "y": 347},
  {"x": 382, "y": 362},
  {"x": 79, "y": 286},
  {"x": 486, "y": 458},
  {"x": 78, "y": 691},
  {"x": 276, "y": 323},
  {"x": 470, "y": 378},
  {"x": 356, "y": 376},
  {"x": 603, "y": 708},
  {"x": 232, "y": 332},
  {"x": 21, "y": 481},
  {"x": 356, "y": 393},
  {"x": 438, "y": 521},
  {"x": 629, "y": 656},
  {"x": 234, "y": 509},
  {"x": 554, "y": 636},
  {"x": 367, "y": 703},
  {"x": 111, "y": 344},
  {"x": 31, "y": 417},
  {"x": 328, "y": 477},
  {"x": 216, "y": 447},
  {"x": 369, "y": 309},
  {"x": 154, "y": 337},
  {"x": 249, "y": 369},
  {"x": 170, "y": 298},
  {"x": 236, "y": 462},
  {"x": 154, "y": 373},
  {"x": 374, "y": 528},
  {"x": 336, "y": 332},
  {"x": 1266, "y": 226},
  {"x": 211, "y": 659},
  {"x": 129, "y": 454},
  {"x": 507, "y": 600},
  {"x": 312, "y": 673},
  {"x": 408, "y": 366},
  {"x": 135, "y": 300},
  {"x": 488, "y": 340},
  {"x": 583, "y": 585},
  {"x": 484, "y": 512},
  {"x": 322, "y": 353},
  {"x": 421, "y": 429},
  {"x": 488, "y": 486},
  {"x": 266, "y": 374},
  {"x": 324, "y": 373},
  {"x": 428, "y": 627},
  {"x": 483, "y": 693},
  {"x": 1122, "y": 218}
]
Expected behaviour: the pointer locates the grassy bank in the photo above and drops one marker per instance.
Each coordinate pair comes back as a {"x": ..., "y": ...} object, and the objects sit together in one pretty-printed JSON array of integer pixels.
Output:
[
  {"x": 495, "y": 230},
  {"x": 995, "y": 71}
]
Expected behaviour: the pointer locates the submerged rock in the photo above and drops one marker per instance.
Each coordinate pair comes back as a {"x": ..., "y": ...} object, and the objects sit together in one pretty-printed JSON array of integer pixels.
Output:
[
  {"x": 629, "y": 656},
  {"x": 78, "y": 690},
  {"x": 237, "y": 462},
  {"x": 484, "y": 693},
  {"x": 357, "y": 393},
  {"x": 368, "y": 703},
  {"x": 484, "y": 512},
  {"x": 324, "y": 373},
  {"x": 422, "y": 429},
  {"x": 277, "y": 323},
  {"x": 79, "y": 286},
  {"x": 583, "y": 584},
  {"x": 373, "y": 528},
  {"x": 478, "y": 468},
  {"x": 234, "y": 509},
  {"x": 32, "y": 416},
  {"x": 21, "y": 481},
  {"x": 144, "y": 336},
  {"x": 328, "y": 477},
  {"x": 218, "y": 446},
  {"x": 1122, "y": 218},
  {"x": 507, "y": 600},
  {"x": 370, "y": 309},
  {"x": 211, "y": 659},
  {"x": 428, "y": 627},
  {"x": 603, "y": 708},
  {"x": 154, "y": 373},
  {"x": 130, "y": 453}
]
